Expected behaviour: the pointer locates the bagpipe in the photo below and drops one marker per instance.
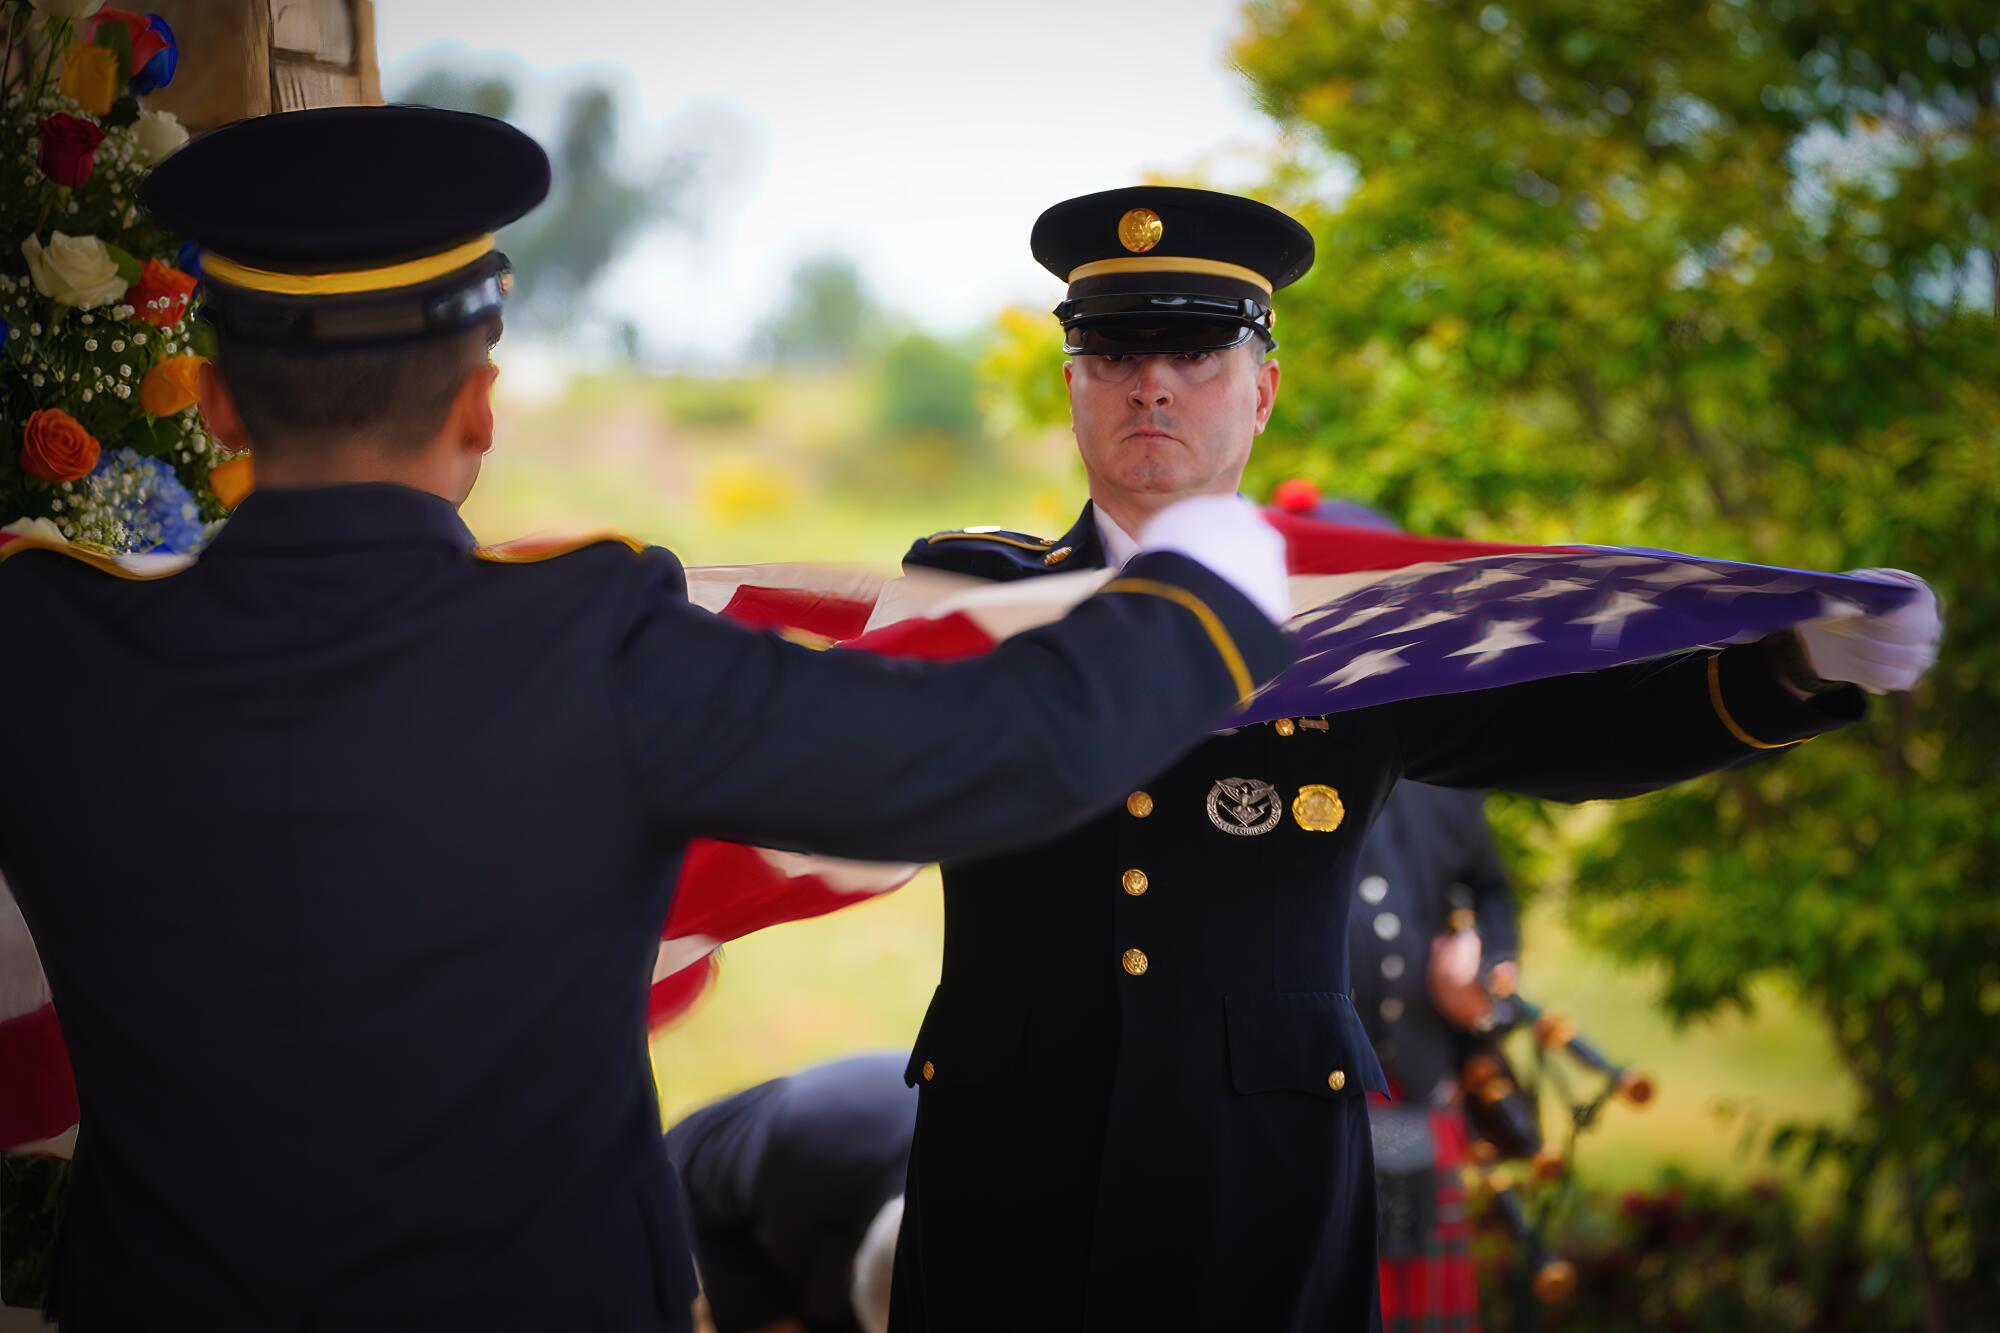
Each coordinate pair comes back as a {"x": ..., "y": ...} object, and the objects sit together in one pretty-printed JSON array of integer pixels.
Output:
[{"x": 1505, "y": 1113}]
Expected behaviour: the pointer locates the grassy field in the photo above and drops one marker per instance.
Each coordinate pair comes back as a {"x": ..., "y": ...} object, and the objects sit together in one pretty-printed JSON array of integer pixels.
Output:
[{"x": 779, "y": 470}]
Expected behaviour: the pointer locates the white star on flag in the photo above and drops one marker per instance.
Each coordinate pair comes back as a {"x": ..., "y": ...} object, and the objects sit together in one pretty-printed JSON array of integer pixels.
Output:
[
  {"x": 1673, "y": 576},
  {"x": 1488, "y": 577},
  {"x": 1375, "y": 662},
  {"x": 1610, "y": 618},
  {"x": 1360, "y": 617},
  {"x": 1554, "y": 588},
  {"x": 1500, "y": 636}
]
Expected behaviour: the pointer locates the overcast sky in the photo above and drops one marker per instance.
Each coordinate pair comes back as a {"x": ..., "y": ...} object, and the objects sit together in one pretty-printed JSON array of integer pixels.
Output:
[{"x": 920, "y": 137}]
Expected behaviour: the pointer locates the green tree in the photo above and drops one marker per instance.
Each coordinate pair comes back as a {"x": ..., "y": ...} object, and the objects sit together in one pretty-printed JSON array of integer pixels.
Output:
[
  {"x": 1715, "y": 275},
  {"x": 828, "y": 316},
  {"x": 927, "y": 384},
  {"x": 595, "y": 210}
]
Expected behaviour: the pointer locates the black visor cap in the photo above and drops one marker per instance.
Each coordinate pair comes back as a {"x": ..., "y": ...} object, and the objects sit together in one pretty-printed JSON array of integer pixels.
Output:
[{"x": 1142, "y": 336}]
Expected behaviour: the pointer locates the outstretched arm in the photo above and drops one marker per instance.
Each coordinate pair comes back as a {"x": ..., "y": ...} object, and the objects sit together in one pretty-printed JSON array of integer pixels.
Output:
[{"x": 747, "y": 737}]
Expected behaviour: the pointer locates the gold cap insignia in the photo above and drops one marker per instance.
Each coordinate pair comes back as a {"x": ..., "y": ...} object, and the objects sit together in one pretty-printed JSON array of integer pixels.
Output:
[
  {"x": 1318, "y": 808},
  {"x": 1140, "y": 230}
]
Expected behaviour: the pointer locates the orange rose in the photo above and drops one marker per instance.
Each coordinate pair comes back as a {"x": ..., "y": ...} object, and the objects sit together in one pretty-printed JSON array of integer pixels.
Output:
[
  {"x": 170, "y": 386},
  {"x": 160, "y": 282},
  {"x": 231, "y": 480},
  {"x": 56, "y": 447}
]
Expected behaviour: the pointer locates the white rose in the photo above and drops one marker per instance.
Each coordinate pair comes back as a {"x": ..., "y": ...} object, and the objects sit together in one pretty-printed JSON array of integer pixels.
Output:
[
  {"x": 76, "y": 270},
  {"x": 157, "y": 134},
  {"x": 68, "y": 9}
]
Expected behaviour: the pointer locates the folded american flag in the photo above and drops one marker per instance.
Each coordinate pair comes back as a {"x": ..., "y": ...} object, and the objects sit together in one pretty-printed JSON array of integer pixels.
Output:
[{"x": 1387, "y": 617}]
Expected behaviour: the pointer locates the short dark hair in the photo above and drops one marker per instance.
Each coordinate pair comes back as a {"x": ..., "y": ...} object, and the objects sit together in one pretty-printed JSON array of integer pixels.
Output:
[{"x": 394, "y": 395}]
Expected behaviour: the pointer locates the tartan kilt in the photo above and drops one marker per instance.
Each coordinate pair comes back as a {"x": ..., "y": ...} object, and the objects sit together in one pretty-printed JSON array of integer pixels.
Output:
[{"x": 1426, "y": 1271}]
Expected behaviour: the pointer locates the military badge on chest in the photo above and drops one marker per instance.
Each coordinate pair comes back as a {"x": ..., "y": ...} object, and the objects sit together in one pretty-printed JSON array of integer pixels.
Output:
[{"x": 1244, "y": 806}]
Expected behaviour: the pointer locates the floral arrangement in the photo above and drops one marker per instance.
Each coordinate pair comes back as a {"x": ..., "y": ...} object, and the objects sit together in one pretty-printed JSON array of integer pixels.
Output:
[{"x": 101, "y": 444}]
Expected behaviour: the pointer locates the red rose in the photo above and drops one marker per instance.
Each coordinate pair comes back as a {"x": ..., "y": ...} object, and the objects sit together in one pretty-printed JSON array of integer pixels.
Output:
[
  {"x": 56, "y": 447},
  {"x": 160, "y": 282},
  {"x": 146, "y": 43},
  {"x": 68, "y": 152}
]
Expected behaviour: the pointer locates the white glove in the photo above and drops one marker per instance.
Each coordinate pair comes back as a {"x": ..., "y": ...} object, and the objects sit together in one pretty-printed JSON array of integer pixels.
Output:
[
  {"x": 1228, "y": 534},
  {"x": 1878, "y": 653}
]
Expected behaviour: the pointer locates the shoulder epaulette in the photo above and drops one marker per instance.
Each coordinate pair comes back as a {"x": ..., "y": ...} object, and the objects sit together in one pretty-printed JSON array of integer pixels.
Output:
[
  {"x": 991, "y": 553},
  {"x": 139, "y": 569},
  {"x": 547, "y": 546},
  {"x": 1019, "y": 540}
]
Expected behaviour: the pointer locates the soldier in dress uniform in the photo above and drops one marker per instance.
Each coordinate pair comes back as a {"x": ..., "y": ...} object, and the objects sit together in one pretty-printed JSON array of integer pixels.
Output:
[
  {"x": 346, "y": 850},
  {"x": 1141, "y": 1079},
  {"x": 795, "y": 1188}
]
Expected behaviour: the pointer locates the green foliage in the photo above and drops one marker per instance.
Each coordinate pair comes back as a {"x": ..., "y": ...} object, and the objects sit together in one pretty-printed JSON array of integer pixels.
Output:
[
  {"x": 828, "y": 317},
  {"x": 594, "y": 211},
  {"x": 1713, "y": 276},
  {"x": 31, "y": 1194},
  {"x": 927, "y": 385},
  {"x": 1020, "y": 374},
  {"x": 1693, "y": 1256},
  {"x": 729, "y": 402}
]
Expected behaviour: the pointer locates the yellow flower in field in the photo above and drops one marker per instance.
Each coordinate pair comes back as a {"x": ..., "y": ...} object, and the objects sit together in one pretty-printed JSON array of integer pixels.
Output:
[
  {"x": 231, "y": 480},
  {"x": 170, "y": 386},
  {"x": 90, "y": 75}
]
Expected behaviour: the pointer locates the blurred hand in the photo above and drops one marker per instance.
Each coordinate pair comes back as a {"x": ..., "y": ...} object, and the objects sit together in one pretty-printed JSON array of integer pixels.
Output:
[
  {"x": 1454, "y": 979},
  {"x": 1878, "y": 653}
]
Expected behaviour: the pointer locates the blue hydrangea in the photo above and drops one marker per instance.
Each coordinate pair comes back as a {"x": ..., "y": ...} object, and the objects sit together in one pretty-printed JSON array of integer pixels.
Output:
[{"x": 136, "y": 503}]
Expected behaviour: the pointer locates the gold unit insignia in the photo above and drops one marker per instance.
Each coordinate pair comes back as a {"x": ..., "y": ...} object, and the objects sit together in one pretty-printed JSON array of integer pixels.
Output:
[
  {"x": 1140, "y": 230},
  {"x": 1244, "y": 806},
  {"x": 1318, "y": 808}
]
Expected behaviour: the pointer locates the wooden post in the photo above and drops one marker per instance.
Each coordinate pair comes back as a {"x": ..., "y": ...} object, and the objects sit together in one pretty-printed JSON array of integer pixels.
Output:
[{"x": 253, "y": 57}]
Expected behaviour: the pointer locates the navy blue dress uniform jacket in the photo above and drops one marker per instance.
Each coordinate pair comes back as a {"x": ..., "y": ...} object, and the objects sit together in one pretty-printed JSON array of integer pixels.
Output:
[
  {"x": 781, "y": 1182},
  {"x": 346, "y": 852},
  {"x": 1430, "y": 854},
  {"x": 1141, "y": 1077}
]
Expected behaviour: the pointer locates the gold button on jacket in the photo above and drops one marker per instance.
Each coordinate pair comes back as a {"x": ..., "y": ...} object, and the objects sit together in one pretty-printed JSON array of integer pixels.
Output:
[
  {"x": 1139, "y": 804},
  {"x": 1135, "y": 962},
  {"x": 930, "y": 1071},
  {"x": 1336, "y": 1080},
  {"x": 1136, "y": 882}
]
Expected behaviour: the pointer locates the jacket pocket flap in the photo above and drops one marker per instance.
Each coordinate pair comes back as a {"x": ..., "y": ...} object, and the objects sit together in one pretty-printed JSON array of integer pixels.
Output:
[
  {"x": 1300, "y": 1041},
  {"x": 967, "y": 1042}
]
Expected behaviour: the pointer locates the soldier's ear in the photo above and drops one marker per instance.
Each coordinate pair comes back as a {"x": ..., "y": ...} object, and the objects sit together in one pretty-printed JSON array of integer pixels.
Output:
[
  {"x": 1267, "y": 393},
  {"x": 218, "y": 410},
  {"x": 471, "y": 423}
]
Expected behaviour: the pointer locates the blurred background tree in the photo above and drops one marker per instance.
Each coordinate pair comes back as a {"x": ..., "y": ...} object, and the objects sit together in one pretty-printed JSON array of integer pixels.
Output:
[
  {"x": 595, "y": 209},
  {"x": 828, "y": 316},
  {"x": 1717, "y": 275}
]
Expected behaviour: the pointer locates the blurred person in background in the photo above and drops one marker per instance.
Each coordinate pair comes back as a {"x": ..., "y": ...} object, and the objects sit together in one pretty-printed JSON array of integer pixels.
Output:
[
  {"x": 1142, "y": 1078},
  {"x": 375, "y": 1056},
  {"x": 1433, "y": 925},
  {"x": 795, "y": 1191}
]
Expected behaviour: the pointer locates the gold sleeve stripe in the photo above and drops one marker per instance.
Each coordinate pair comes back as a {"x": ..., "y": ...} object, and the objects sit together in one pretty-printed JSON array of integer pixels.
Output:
[
  {"x": 1213, "y": 268},
  {"x": 533, "y": 550},
  {"x": 406, "y": 274},
  {"x": 1225, "y": 646},
  {"x": 989, "y": 537},
  {"x": 96, "y": 561},
  {"x": 1722, "y": 711}
]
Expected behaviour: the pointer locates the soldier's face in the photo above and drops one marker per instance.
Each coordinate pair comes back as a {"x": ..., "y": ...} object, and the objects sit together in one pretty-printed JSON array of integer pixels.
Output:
[{"x": 1169, "y": 425}]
